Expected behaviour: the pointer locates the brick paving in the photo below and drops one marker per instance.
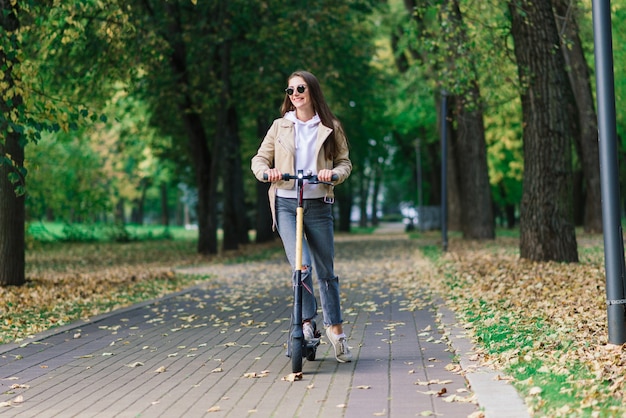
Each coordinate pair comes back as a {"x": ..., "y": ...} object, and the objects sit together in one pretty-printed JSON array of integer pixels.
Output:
[{"x": 217, "y": 350}]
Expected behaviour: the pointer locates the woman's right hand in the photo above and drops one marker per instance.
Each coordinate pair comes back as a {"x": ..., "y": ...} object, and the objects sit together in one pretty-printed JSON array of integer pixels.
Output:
[{"x": 273, "y": 174}]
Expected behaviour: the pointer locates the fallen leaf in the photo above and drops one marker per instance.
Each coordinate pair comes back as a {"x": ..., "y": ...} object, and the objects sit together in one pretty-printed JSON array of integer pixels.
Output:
[
  {"x": 292, "y": 377},
  {"x": 254, "y": 375},
  {"x": 161, "y": 369},
  {"x": 428, "y": 392},
  {"x": 135, "y": 364},
  {"x": 215, "y": 408}
]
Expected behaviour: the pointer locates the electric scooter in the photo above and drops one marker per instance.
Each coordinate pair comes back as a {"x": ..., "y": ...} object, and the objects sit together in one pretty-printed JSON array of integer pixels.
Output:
[{"x": 297, "y": 347}]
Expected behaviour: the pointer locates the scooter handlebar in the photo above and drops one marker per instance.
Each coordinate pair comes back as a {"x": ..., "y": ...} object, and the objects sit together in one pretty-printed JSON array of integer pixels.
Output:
[{"x": 313, "y": 177}]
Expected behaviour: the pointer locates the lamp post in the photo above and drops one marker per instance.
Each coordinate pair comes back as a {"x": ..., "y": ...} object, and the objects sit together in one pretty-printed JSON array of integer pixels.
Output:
[
  {"x": 444, "y": 170},
  {"x": 611, "y": 221},
  {"x": 418, "y": 156}
]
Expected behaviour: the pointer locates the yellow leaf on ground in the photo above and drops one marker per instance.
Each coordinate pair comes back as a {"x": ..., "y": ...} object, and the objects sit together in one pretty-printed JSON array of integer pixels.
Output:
[
  {"x": 292, "y": 377},
  {"x": 135, "y": 364}
]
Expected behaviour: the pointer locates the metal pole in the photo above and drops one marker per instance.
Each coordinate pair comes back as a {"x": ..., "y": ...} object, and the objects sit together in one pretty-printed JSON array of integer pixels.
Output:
[
  {"x": 611, "y": 220},
  {"x": 444, "y": 171},
  {"x": 418, "y": 156}
]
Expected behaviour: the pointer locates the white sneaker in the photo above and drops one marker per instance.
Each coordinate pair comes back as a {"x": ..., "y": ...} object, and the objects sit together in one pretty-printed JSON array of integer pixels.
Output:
[
  {"x": 342, "y": 351},
  {"x": 307, "y": 329}
]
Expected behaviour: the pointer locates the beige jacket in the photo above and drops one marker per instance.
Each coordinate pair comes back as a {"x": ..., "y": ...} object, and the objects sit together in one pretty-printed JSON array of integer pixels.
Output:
[{"x": 278, "y": 150}]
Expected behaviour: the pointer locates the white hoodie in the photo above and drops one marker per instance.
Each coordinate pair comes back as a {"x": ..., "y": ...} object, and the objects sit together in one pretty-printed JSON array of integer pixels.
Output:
[{"x": 305, "y": 158}]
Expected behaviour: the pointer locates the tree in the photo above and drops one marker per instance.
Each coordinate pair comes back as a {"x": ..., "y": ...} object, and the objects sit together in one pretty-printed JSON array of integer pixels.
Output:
[
  {"x": 171, "y": 85},
  {"x": 468, "y": 130},
  {"x": 12, "y": 142},
  {"x": 546, "y": 223},
  {"x": 444, "y": 48},
  {"x": 235, "y": 224},
  {"x": 566, "y": 15}
]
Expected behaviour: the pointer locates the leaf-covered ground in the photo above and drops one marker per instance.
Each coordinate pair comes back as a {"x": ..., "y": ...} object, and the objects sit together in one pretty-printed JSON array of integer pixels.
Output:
[
  {"x": 543, "y": 324},
  {"x": 66, "y": 282}
]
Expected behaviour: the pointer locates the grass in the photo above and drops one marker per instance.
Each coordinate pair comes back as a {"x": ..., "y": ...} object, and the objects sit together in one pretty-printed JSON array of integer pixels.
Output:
[
  {"x": 543, "y": 324},
  {"x": 57, "y": 231}
]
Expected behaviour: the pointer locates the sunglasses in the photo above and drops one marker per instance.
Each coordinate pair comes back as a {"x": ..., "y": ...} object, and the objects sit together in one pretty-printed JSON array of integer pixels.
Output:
[{"x": 300, "y": 88}]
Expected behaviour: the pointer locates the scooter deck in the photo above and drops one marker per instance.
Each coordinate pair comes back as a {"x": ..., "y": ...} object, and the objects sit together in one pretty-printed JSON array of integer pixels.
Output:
[{"x": 314, "y": 343}]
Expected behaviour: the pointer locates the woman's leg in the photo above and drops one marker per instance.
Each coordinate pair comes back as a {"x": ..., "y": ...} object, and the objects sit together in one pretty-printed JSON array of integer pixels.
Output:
[{"x": 318, "y": 226}]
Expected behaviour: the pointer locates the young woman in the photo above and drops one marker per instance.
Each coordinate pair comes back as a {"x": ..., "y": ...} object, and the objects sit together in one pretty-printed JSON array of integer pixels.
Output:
[{"x": 308, "y": 137}]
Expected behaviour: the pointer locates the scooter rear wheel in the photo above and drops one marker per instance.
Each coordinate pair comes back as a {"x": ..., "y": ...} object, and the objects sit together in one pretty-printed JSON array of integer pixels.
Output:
[{"x": 310, "y": 355}]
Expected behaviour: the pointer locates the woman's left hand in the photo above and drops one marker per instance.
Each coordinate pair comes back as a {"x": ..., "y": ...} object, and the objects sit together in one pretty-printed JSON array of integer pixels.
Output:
[{"x": 325, "y": 175}]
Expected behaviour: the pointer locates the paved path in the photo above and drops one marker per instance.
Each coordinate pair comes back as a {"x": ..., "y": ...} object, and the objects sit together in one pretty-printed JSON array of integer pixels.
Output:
[{"x": 217, "y": 350}]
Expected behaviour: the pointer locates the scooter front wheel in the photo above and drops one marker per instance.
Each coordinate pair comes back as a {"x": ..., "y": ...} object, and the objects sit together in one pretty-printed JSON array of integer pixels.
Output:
[{"x": 296, "y": 354}]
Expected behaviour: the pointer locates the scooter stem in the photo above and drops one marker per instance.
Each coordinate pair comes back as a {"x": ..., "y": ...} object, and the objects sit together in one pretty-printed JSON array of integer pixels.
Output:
[{"x": 299, "y": 232}]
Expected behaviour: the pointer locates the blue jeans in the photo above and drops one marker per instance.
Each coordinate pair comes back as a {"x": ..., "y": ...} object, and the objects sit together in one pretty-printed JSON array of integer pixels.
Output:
[{"x": 318, "y": 252}]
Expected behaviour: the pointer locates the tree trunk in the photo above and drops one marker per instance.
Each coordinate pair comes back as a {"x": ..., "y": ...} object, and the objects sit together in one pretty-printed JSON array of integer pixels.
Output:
[
  {"x": 452, "y": 186},
  {"x": 378, "y": 172},
  {"x": 468, "y": 138},
  {"x": 204, "y": 162},
  {"x": 343, "y": 199},
  {"x": 137, "y": 212},
  {"x": 470, "y": 156},
  {"x": 587, "y": 135},
  {"x": 12, "y": 213},
  {"x": 12, "y": 206},
  {"x": 546, "y": 223},
  {"x": 433, "y": 156},
  {"x": 119, "y": 215},
  {"x": 363, "y": 193},
  {"x": 578, "y": 192},
  {"x": 234, "y": 219},
  {"x": 165, "y": 212}
]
